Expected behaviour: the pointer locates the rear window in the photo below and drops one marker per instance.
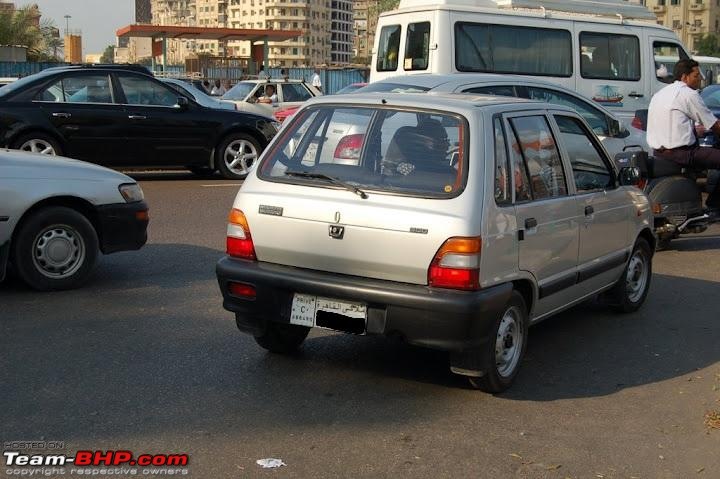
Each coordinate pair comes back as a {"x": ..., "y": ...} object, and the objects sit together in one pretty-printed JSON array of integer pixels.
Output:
[
  {"x": 388, "y": 48},
  {"x": 415, "y": 153}
]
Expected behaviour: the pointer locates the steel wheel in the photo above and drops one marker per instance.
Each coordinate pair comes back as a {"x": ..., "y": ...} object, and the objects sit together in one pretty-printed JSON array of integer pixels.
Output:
[
  {"x": 58, "y": 251},
  {"x": 38, "y": 145},
  {"x": 509, "y": 342},
  {"x": 636, "y": 277},
  {"x": 239, "y": 156}
]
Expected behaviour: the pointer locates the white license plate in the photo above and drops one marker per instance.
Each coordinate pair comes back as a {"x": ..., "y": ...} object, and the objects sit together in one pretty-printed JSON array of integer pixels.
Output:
[{"x": 305, "y": 307}]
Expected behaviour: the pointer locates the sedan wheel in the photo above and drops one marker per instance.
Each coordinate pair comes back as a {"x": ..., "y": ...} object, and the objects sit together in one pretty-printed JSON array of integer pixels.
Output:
[
  {"x": 38, "y": 146},
  {"x": 238, "y": 155}
]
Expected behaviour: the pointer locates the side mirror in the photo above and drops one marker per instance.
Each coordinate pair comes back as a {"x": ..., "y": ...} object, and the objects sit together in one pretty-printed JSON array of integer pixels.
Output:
[
  {"x": 614, "y": 127},
  {"x": 629, "y": 176},
  {"x": 182, "y": 103}
]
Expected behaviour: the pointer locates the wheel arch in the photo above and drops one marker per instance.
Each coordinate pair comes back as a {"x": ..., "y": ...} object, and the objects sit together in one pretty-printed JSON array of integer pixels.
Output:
[
  {"x": 80, "y": 205},
  {"x": 648, "y": 236},
  {"x": 527, "y": 291}
]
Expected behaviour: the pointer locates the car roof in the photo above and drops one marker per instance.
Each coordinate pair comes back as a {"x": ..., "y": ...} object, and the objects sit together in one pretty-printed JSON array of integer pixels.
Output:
[
  {"x": 102, "y": 66},
  {"x": 456, "y": 102}
]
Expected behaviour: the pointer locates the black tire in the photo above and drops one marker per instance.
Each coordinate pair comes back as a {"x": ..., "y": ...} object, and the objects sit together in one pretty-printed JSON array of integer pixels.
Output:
[
  {"x": 630, "y": 291},
  {"x": 34, "y": 142},
  {"x": 500, "y": 368},
  {"x": 55, "y": 249},
  {"x": 240, "y": 148},
  {"x": 282, "y": 338}
]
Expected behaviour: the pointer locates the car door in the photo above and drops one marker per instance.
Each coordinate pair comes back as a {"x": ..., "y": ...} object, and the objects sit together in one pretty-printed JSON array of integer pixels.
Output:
[
  {"x": 546, "y": 213},
  {"x": 160, "y": 131},
  {"x": 604, "y": 207},
  {"x": 81, "y": 107},
  {"x": 293, "y": 94}
]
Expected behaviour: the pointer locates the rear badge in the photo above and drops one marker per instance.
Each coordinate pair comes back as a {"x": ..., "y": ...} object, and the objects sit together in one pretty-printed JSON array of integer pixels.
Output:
[
  {"x": 270, "y": 210},
  {"x": 336, "y": 231}
]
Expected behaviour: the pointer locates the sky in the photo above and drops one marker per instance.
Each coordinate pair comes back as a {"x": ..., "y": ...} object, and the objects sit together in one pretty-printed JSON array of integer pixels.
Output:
[{"x": 96, "y": 19}]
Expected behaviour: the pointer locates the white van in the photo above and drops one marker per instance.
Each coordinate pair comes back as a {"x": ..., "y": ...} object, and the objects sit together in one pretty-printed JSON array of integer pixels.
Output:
[{"x": 607, "y": 50}]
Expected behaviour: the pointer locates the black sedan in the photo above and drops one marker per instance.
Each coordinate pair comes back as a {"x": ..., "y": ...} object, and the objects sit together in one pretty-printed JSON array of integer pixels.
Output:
[{"x": 122, "y": 117}]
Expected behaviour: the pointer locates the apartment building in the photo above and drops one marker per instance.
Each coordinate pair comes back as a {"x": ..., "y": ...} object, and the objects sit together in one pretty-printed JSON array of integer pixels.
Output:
[
  {"x": 7, "y": 7},
  {"x": 313, "y": 17},
  {"x": 176, "y": 12},
  {"x": 341, "y": 32},
  {"x": 365, "y": 15},
  {"x": 690, "y": 19}
]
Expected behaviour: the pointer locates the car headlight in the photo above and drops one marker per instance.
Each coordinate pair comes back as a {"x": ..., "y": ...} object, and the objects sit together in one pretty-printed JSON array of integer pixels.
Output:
[{"x": 131, "y": 192}]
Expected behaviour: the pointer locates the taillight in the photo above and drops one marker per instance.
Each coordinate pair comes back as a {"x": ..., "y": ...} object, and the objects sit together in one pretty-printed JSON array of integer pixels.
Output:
[
  {"x": 349, "y": 147},
  {"x": 637, "y": 123},
  {"x": 642, "y": 183},
  {"x": 456, "y": 265},
  {"x": 242, "y": 290},
  {"x": 239, "y": 242}
]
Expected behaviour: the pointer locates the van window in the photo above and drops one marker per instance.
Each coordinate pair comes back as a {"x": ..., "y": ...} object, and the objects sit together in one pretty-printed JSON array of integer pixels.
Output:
[
  {"x": 404, "y": 152},
  {"x": 591, "y": 172},
  {"x": 538, "y": 148},
  {"x": 510, "y": 49},
  {"x": 607, "y": 56},
  {"x": 388, "y": 48},
  {"x": 666, "y": 56},
  {"x": 417, "y": 46}
]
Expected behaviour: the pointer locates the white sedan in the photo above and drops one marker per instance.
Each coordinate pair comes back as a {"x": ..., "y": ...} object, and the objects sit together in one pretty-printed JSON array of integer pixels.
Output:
[{"x": 56, "y": 214}]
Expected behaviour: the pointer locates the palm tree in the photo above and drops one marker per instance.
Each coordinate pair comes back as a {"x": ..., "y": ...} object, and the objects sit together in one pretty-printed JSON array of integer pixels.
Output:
[{"x": 20, "y": 28}]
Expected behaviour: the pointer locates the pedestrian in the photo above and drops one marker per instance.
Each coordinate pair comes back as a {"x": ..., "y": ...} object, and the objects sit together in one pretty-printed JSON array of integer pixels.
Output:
[
  {"x": 316, "y": 80},
  {"x": 218, "y": 89},
  {"x": 671, "y": 131},
  {"x": 262, "y": 75},
  {"x": 284, "y": 74}
]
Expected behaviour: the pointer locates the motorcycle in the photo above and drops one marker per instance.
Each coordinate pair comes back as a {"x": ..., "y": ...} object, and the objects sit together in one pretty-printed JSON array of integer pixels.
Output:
[{"x": 674, "y": 194}]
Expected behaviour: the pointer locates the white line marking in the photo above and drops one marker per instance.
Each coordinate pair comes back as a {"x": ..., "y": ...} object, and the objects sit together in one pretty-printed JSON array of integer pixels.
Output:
[{"x": 220, "y": 185}]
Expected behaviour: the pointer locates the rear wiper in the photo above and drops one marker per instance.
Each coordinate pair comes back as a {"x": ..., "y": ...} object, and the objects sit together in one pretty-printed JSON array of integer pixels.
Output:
[{"x": 331, "y": 179}]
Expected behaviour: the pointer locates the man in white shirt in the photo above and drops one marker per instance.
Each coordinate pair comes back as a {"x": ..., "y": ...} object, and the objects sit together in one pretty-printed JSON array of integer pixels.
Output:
[
  {"x": 316, "y": 80},
  {"x": 672, "y": 115}
]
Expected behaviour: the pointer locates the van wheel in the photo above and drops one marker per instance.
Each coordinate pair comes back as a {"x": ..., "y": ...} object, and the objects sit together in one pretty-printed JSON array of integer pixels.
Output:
[
  {"x": 282, "y": 338},
  {"x": 631, "y": 289},
  {"x": 505, "y": 351},
  {"x": 55, "y": 249}
]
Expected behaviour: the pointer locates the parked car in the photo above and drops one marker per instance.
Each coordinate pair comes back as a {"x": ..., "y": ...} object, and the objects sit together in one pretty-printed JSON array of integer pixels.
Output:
[
  {"x": 246, "y": 94},
  {"x": 614, "y": 136},
  {"x": 125, "y": 118},
  {"x": 56, "y": 214},
  {"x": 450, "y": 221},
  {"x": 189, "y": 90}
]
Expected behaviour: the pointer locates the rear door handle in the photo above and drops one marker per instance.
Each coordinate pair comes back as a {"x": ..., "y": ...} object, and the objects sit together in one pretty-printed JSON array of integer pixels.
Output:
[
  {"x": 589, "y": 210},
  {"x": 61, "y": 115},
  {"x": 530, "y": 223},
  {"x": 137, "y": 117}
]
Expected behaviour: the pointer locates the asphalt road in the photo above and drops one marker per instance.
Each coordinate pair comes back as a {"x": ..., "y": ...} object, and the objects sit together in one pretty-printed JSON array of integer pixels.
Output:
[{"x": 145, "y": 359}]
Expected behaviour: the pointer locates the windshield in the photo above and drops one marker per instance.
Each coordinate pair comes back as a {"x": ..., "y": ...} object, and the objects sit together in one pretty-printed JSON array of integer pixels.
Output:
[
  {"x": 240, "y": 91},
  {"x": 711, "y": 96},
  {"x": 419, "y": 153},
  {"x": 388, "y": 87}
]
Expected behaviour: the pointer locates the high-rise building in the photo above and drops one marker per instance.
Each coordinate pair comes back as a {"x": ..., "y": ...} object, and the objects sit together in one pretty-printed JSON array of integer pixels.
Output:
[
  {"x": 73, "y": 47},
  {"x": 365, "y": 16},
  {"x": 7, "y": 7},
  {"x": 312, "y": 18},
  {"x": 175, "y": 12},
  {"x": 341, "y": 32},
  {"x": 143, "y": 11},
  {"x": 689, "y": 19}
]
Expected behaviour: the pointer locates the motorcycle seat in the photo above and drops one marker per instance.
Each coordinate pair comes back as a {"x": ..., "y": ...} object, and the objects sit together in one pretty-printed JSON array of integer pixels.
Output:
[{"x": 659, "y": 167}]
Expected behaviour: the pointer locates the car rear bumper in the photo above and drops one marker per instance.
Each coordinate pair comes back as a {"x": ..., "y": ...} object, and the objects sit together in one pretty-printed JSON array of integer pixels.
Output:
[
  {"x": 122, "y": 226},
  {"x": 430, "y": 317}
]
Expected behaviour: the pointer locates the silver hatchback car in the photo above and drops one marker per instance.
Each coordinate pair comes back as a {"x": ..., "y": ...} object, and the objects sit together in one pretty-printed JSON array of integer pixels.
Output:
[{"x": 451, "y": 221}]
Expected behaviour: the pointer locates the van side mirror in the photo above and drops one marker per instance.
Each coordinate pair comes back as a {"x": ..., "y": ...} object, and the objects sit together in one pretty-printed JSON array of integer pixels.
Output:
[
  {"x": 629, "y": 176},
  {"x": 182, "y": 103}
]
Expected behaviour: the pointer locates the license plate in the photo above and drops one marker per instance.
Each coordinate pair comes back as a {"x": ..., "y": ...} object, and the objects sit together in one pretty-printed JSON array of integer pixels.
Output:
[{"x": 305, "y": 308}]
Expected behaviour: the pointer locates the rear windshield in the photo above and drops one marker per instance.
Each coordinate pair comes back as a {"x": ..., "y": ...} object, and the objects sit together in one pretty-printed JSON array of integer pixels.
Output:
[{"x": 406, "y": 152}]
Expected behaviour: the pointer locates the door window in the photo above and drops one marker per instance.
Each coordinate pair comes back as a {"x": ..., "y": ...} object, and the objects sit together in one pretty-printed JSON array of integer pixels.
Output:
[
  {"x": 595, "y": 118},
  {"x": 666, "y": 56},
  {"x": 295, "y": 92},
  {"x": 609, "y": 56},
  {"x": 389, "y": 47},
  {"x": 590, "y": 170},
  {"x": 143, "y": 91},
  {"x": 542, "y": 159},
  {"x": 78, "y": 89},
  {"x": 417, "y": 46}
]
